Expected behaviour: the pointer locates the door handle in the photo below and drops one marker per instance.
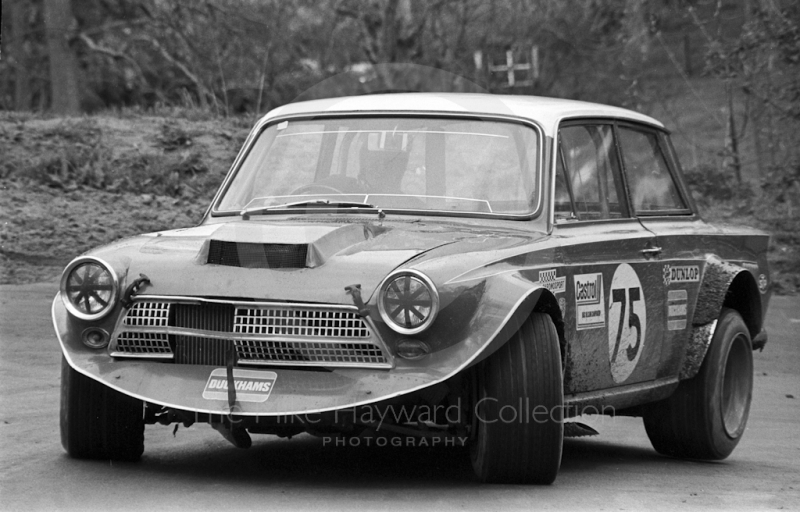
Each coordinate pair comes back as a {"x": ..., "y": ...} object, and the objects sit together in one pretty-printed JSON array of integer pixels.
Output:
[{"x": 651, "y": 251}]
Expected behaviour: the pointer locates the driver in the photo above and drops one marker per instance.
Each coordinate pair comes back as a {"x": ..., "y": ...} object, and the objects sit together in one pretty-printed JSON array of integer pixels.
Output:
[{"x": 383, "y": 162}]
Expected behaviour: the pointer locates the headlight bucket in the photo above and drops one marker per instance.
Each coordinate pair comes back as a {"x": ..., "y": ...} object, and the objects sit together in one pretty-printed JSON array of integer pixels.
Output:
[
  {"x": 408, "y": 301},
  {"x": 89, "y": 288}
]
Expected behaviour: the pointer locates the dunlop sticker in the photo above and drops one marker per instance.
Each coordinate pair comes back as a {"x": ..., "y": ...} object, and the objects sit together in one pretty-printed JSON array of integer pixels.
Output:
[
  {"x": 548, "y": 280},
  {"x": 681, "y": 274},
  {"x": 251, "y": 385},
  {"x": 676, "y": 309},
  {"x": 589, "y": 301}
]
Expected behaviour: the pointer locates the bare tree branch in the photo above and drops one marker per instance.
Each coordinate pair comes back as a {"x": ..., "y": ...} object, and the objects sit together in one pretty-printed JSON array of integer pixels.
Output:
[
  {"x": 92, "y": 45},
  {"x": 202, "y": 90}
]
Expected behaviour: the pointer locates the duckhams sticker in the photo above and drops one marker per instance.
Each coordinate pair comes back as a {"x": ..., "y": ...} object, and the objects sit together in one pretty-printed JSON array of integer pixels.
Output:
[
  {"x": 589, "y": 301},
  {"x": 627, "y": 322},
  {"x": 251, "y": 385}
]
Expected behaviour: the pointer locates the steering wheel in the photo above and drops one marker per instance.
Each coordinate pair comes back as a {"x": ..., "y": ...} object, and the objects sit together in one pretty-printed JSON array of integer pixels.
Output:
[{"x": 312, "y": 188}]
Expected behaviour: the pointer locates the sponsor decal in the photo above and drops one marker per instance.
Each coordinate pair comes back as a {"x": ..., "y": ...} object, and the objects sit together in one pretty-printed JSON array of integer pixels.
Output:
[
  {"x": 548, "y": 279},
  {"x": 762, "y": 283},
  {"x": 589, "y": 301},
  {"x": 677, "y": 301},
  {"x": 681, "y": 274},
  {"x": 251, "y": 385},
  {"x": 627, "y": 322}
]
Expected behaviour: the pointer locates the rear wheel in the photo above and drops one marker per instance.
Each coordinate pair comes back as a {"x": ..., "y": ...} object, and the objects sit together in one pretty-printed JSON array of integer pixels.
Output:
[
  {"x": 706, "y": 416},
  {"x": 518, "y": 414},
  {"x": 98, "y": 422}
]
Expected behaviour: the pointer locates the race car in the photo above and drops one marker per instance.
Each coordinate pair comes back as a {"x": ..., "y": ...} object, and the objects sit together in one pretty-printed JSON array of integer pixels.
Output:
[{"x": 475, "y": 270}]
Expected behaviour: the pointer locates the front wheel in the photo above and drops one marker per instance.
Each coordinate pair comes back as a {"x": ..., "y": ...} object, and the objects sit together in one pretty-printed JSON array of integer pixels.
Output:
[
  {"x": 518, "y": 408},
  {"x": 98, "y": 422},
  {"x": 706, "y": 416}
]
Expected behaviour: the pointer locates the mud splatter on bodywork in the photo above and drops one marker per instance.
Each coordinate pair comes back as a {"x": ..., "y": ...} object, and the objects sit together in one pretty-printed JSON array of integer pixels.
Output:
[
  {"x": 717, "y": 278},
  {"x": 696, "y": 349}
]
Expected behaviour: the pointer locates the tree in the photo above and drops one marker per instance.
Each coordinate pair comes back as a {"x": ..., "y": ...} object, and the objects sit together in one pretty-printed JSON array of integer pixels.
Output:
[
  {"x": 16, "y": 49},
  {"x": 59, "y": 24}
]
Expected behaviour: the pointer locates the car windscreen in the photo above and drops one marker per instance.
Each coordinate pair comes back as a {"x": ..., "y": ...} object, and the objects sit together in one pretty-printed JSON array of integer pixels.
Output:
[{"x": 399, "y": 163}]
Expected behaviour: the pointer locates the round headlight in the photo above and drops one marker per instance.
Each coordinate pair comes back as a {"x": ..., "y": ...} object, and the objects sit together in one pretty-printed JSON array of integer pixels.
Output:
[
  {"x": 89, "y": 288},
  {"x": 408, "y": 301}
]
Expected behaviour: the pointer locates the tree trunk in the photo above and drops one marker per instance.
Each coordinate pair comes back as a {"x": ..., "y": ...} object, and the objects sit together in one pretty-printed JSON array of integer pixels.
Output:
[
  {"x": 732, "y": 143},
  {"x": 59, "y": 24},
  {"x": 16, "y": 49}
]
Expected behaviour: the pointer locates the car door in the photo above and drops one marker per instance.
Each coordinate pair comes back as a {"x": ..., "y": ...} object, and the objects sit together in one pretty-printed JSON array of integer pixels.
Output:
[
  {"x": 614, "y": 287},
  {"x": 662, "y": 206}
]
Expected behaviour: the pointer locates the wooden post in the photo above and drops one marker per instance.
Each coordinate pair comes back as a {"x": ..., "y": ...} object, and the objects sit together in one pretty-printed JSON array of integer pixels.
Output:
[
  {"x": 510, "y": 66},
  {"x": 479, "y": 77}
]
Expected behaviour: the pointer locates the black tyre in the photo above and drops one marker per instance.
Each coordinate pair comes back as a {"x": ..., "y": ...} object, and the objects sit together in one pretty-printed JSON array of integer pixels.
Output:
[
  {"x": 518, "y": 408},
  {"x": 98, "y": 422},
  {"x": 706, "y": 416}
]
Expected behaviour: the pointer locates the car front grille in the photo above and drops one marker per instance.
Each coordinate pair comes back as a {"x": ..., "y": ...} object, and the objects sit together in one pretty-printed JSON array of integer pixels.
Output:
[
  {"x": 298, "y": 321},
  {"x": 203, "y": 332}
]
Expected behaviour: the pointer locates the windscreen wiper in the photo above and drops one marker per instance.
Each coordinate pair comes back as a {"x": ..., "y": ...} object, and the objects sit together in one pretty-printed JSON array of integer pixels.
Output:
[{"x": 315, "y": 203}]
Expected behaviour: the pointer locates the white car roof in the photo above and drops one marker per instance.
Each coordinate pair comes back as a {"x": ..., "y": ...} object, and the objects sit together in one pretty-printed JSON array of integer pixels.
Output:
[{"x": 546, "y": 111}]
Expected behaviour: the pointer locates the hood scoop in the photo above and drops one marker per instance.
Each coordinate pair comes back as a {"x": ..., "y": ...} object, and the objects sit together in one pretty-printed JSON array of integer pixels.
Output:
[{"x": 255, "y": 255}]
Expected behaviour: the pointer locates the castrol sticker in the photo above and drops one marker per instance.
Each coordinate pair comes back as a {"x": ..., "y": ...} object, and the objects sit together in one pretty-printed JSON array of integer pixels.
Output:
[
  {"x": 627, "y": 322},
  {"x": 250, "y": 385},
  {"x": 589, "y": 303}
]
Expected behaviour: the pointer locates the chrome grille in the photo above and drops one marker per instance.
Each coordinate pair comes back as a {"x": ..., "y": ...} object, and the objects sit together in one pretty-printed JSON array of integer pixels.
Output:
[
  {"x": 300, "y": 351},
  {"x": 201, "y": 331},
  {"x": 143, "y": 343},
  {"x": 298, "y": 321},
  {"x": 147, "y": 313}
]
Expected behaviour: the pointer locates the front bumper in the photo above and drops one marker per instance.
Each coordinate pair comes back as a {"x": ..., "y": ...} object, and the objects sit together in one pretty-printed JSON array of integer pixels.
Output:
[
  {"x": 292, "y": 391},
  {"x": 465, "y": 332}
]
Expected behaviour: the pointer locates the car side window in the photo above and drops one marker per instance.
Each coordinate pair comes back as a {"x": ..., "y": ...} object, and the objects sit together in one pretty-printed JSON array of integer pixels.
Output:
[
  {"x": 592, "y": 168},
  {"x": 652, "y": 188}
]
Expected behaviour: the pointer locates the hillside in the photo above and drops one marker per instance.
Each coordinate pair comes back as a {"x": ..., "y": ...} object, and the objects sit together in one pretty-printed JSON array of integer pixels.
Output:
[{"x": 71, "y": 184}]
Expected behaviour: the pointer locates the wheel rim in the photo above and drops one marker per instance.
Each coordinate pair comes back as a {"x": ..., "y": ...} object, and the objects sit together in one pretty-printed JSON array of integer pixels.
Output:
[{"x": 736, "y": 387}]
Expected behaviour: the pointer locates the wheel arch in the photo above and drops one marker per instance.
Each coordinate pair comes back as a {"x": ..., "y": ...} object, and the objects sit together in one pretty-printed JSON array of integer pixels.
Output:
[
  {"x": 724, "y": 285},
  {"x": 538, "y": 300},
  {"x": 548, "y": 304},
  {"x": 744, "y": 297}
]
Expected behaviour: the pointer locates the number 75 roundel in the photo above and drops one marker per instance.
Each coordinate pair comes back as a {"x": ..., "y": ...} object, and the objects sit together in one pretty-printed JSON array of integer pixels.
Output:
[{"x": 627, "y": 322}]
